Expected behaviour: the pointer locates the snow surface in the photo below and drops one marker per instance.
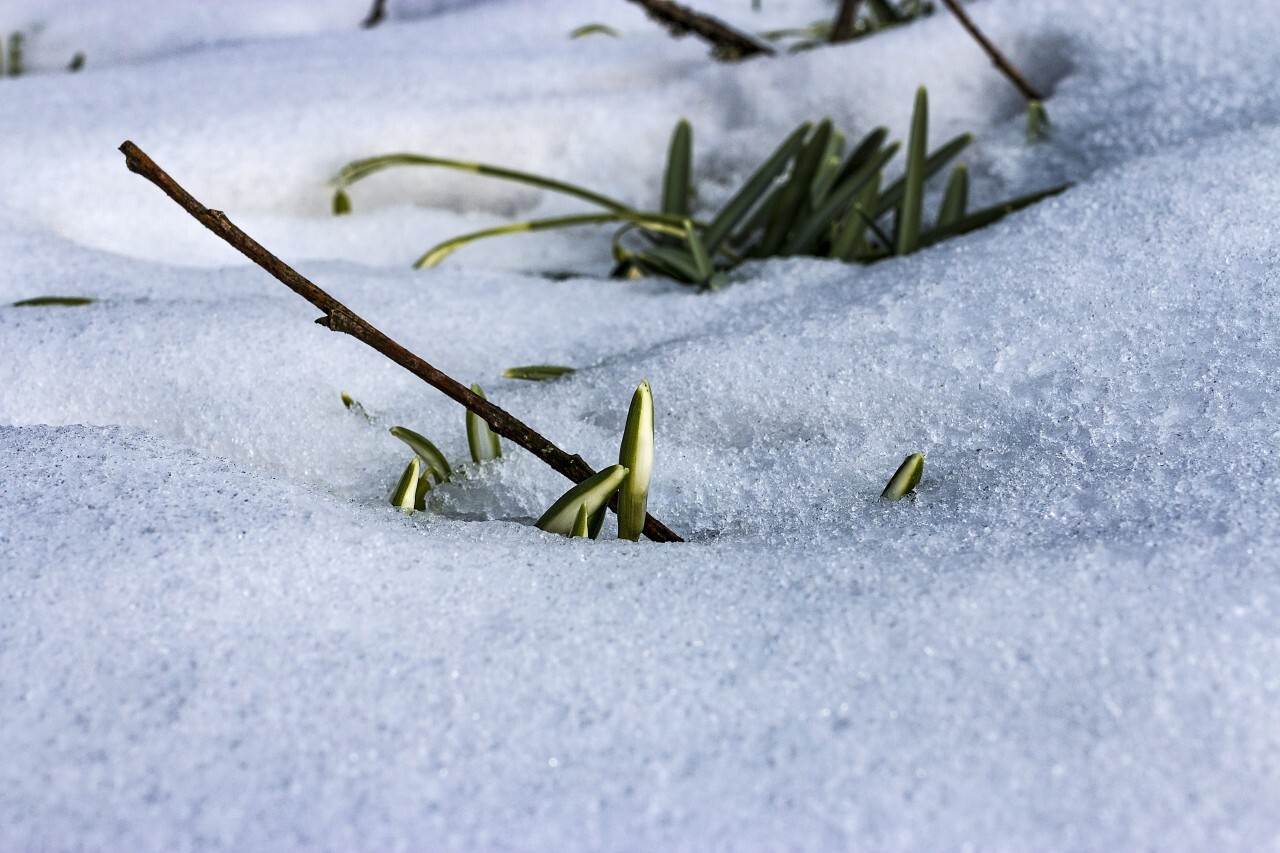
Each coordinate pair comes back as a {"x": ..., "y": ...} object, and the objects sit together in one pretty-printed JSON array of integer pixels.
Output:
[{"x": 216, "y": 635}]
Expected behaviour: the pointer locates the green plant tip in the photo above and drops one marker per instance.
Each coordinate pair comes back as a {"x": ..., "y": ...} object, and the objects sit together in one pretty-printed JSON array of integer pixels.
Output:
[
  {"x": 430, "y": 455},
  {"x": 341, "y": 203},
  {"x": 54, "y": 301},
  {"x": 594, "y": 492},
  {"x": 1037, "y": 121},
  {"x": 593, "y": 30},
  {"x": 581, "y": 524},
  {"x": 906, "y": 478},
  {"x": 636, "y": 454},
  {"x": 538, "y": 372},
  {"x": 481, "y": 440},
  {"x": 404, "y": 496},
  {"x": 909, "y": 213}
]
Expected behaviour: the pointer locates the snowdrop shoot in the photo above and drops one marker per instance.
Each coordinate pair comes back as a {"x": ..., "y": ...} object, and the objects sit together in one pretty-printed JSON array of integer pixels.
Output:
[
  {"x": 405, "y": 496},
  {"x": 636, "y": 454},
  {"x": 906, "y": 478},
  {"x": 593, "y": 494},
  {"x": 482, "y": 441}
]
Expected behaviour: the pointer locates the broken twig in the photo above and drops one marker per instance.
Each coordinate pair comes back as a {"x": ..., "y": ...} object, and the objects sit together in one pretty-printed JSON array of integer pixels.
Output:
[
  {"x": 727, "y": 43},
  {"x": 997, "y": 58},
  {"x": 339, "y": 318}
]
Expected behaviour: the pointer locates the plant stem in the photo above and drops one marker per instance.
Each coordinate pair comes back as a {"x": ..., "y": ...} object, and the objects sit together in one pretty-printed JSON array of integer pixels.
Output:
[
  {"x": 376, "y": 14},
  {"x": 842, "y": 28},
  {"x": 339, "y": 318},
  {"x": 1006, "y": 67},
  {"x": 729, "y": 44}
]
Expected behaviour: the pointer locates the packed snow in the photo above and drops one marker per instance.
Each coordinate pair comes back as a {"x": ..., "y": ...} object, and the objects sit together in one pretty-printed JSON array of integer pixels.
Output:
[{"x": 216, "y": 633}]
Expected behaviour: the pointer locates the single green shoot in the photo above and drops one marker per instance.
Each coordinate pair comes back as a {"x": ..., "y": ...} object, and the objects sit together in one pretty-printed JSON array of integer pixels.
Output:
[
  {"x": 912, "y": 209},
  {"x": 405, "y": 495},
  {"x": 636, "y": 454},
  {"x": 482, "y": 441},
  {"x": 906, "y": 478}
]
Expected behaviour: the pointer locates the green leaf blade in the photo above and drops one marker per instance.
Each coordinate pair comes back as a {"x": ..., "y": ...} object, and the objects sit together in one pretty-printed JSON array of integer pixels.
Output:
[
  {"x": 482, "y": 441},
  {"x": 906, "y": 478},
  {"x": 636, "y": 454},
  {"x": 595, "y": 492},
  {"x": 430, "y": 455},
  {"x": 912, "y": 208}
]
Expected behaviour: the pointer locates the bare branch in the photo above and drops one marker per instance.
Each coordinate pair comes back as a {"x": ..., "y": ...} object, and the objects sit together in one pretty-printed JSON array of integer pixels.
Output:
[
  {"x": 376, "y": 14},
  {"x": 727, "y": 43},
  {"x": 339, "y": 318},
  {"x": 842, "y": 27},
  {"x": 1006, "y": 67}
]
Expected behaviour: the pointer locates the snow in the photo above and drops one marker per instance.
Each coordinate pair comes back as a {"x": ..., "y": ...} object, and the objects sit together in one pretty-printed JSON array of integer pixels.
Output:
[{"x": 215, "y": 634}]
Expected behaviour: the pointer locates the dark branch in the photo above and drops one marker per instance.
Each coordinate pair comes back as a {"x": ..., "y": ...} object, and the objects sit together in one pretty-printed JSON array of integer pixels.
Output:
[
  {"x": 339, "y": 318},
  {"x": 727, "y": 43},
  {"x": 1006, "y": 67},
  {"x": 842, "y": 27},
  {"x": 376, "y": 14}
]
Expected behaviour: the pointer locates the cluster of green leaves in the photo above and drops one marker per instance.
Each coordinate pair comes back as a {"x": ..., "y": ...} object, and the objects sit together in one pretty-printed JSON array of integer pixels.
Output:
[
  {"x": 578, "y": 512},
  {"x": 873, "y": 17},
  {"x": 809, "y": 197}
]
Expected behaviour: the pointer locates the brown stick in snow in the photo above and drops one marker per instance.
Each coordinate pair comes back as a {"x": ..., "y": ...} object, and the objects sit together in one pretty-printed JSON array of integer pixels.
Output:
[
  {"x": 727, "y": 43},
  {"x": 1006, "y": 67},
  {"x": 339, "y": 318}
]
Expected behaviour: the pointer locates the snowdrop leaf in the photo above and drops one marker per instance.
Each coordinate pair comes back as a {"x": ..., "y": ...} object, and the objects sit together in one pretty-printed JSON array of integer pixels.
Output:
[
  {"x": 988, "y": 215},
  {"x": 538, "y": 372},
  {"x": 361, "y": 169},
  {"x": 867, "y": 148},
  {"x": 651, "y": 222},
  {"x": 909, "y": 213},
  {"x": 795, "y": 192},
  {"x": 482, "y": 441},
  {"x": 405, "y": 494},
  {"x": 808, "y": 233},
  {"x": 581, "y": 523},
  {"x": 54, "y": 301},
  {"x": 593, "y": 30},
  {"x": 906, "y": 478},
  {"x": 426, "y": 451},
  {"x": 756, "y": 186},
  {"x": 594, "y": 492},
  {"x": 956, "y": 197},
  {"x": 850, "y": 239},
  {"x": 636, "y": 454},
  {"x": 933, "y": 164},
  {"x": 1037, "y": 121},
  {"x": 675, "y": 188},
  {"x": 697, "y": 254}
]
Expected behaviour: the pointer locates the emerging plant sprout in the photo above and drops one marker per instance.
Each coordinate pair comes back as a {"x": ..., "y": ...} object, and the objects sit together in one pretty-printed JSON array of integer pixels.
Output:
[
  {"x": 906, "y": 478},
  {"x": 593, "y": 494},
  {"x": 405, "y": 494},
  {"x": 807, "y": 198},
  {"x": 482, "y": 441},
  {"x": 433, "y": 460},
  {"x": 636, "y": 454}
]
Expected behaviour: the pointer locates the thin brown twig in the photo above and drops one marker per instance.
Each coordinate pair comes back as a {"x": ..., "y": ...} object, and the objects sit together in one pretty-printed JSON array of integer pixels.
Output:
[
  {"x": 727, "y": 43},
  {"x": 339, "y": 318},
  {"x": 376, "y": 14},
  {"x": 842, "y": 27},
  {"x": 1006, "y": 67}
]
